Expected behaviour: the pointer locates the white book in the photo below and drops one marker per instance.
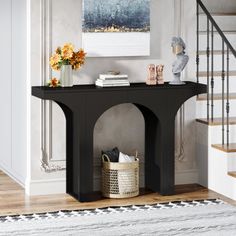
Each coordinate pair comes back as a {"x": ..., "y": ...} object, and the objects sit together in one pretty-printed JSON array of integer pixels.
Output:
[
  {"x": 113, "y": 81},
  {"x": 107, "y": 85},
  {"x": 109, "y": 76},
  {"x": 111, "y": 85}
]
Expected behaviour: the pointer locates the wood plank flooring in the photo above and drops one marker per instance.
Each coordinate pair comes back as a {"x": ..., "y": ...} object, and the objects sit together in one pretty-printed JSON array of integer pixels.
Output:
[
  {"x": 216, "y": 121},
  {"x": 216, "y": 73},
  {"x": 14, "y": 201},
  {"x": 225, "y": 148},
  {"x": 217, "y": 96},
  {"x": 232, "y": 174}
]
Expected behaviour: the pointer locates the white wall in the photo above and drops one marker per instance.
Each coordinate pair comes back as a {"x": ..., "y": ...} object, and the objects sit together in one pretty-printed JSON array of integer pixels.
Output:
[
  {"x": 13, "y": 64},
  {"x": 66, "y": 27},
  {"x": 5, "y": 95}
]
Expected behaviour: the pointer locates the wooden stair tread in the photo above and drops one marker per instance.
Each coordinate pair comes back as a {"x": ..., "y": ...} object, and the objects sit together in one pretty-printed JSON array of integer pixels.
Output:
[
  {"x": 223, "y": 13},
  {"x": 220, "y": 13},
  {"x": 217, "y": 96},
  {"x": 232, "y": 173},
  {"x": 203, "y": 32},
  {"x": 225, "y": 148},
  {"x": 215, "y": 52},
  {"x": 216, "y": 121},
  {"x": 216, "y": 73}
]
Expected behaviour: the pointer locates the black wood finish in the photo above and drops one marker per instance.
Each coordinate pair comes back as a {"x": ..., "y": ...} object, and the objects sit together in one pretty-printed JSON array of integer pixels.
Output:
[
  {"x": 84, "y": 104},
  {"x": 197, "y": 55}
]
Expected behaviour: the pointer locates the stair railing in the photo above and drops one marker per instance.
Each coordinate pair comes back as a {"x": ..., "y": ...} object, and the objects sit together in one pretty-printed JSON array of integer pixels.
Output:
[{"x": 227, "y": 48}]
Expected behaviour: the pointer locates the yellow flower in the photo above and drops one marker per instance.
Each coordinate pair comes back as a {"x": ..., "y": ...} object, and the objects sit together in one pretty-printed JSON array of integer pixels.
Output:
[
  {"x": 66, "y": 54},
  {"x": 67, "y": 51},
  {"x": 68, "y": 46},
  {"x": 55, "y": 59},
  {"x": 55, "y": 67}
]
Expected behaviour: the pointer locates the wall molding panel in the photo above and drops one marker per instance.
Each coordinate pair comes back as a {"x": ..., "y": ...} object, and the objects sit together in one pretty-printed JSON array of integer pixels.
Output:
[{"x": 49, "y": 163}]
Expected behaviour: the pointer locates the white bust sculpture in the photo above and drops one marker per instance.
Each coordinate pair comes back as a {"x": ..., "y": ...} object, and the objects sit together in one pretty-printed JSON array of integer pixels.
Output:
[{"x": 178, "y": 47}]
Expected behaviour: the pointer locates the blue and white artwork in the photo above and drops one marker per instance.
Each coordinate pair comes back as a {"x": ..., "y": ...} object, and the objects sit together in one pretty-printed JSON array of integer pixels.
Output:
[{"x": 116, "y": 27}]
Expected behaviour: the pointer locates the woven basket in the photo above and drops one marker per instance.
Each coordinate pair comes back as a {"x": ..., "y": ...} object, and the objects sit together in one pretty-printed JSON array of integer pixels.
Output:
[{"x": 120, "y": 180}]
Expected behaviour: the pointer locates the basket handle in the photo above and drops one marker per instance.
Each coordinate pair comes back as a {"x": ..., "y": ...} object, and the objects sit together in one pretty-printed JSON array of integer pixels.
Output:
[{"x": 105, "y": 158}]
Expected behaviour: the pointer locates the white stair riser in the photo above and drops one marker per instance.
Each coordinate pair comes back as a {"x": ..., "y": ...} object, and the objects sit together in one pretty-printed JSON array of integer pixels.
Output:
[
  {"x": 215, "y": 133},
  {"x": 232, "y": 162},
  {"x": 217, "y": 63},
  {"x": 202, "y": 108},
  {"x": 218, "y": 178},
  {"x": 224, "y": 22},
  {"x": 217, "y": 41},
  {"x": 220, "y": 6},
  {"x": 213, "y": 164},
  {"x": 218, "y": 84}
]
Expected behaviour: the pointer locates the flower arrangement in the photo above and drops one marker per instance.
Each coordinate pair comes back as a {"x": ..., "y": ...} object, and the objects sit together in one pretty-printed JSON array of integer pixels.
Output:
[{"x": 67, "y": 56}]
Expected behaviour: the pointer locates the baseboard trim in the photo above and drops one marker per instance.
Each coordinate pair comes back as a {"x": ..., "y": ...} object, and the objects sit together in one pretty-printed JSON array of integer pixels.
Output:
[
  {"x": 187, "y": 177},
  {"x": 58, "y": 186},
  {"x": 46, "y": 187},
  {"x": 13, "y": 175}
]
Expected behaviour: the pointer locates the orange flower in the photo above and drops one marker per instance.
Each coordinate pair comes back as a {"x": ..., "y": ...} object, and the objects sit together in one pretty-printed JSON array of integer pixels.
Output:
[
  {"x": 81, "y": 53},
  {"x": 58, "y": 50},
  {"x": 78, "y": 59},
  {"x": 53, "y": 83}
]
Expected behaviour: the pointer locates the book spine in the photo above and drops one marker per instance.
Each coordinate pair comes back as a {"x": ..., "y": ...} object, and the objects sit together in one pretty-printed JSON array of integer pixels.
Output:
[
  {"x": 107, "y": 77},
  {"x": 111, "y": 85},
  {"x": 112, "y": 81}
]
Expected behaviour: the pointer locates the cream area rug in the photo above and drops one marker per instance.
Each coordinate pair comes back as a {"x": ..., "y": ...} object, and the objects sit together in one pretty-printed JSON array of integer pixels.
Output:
[{"x": 202, "y": 217}]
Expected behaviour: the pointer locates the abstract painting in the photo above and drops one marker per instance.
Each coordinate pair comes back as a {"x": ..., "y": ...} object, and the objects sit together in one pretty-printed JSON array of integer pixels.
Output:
[{"x": 116, "y": 27}]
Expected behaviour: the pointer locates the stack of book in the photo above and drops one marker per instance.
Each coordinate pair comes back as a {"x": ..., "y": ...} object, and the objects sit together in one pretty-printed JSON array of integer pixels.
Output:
[{"x": 111, "y": 80}]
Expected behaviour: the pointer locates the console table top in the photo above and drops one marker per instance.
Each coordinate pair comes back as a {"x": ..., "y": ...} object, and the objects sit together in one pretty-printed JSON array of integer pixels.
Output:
[{"x": 40, "y": 91}]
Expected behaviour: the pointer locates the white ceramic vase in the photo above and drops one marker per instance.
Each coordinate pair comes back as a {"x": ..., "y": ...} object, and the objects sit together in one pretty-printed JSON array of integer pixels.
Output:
[{"x": 66, "y": 77}]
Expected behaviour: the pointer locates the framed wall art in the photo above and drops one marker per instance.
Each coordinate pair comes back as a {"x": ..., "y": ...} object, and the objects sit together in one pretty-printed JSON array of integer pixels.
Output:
[{"x": 116, "y": 28}]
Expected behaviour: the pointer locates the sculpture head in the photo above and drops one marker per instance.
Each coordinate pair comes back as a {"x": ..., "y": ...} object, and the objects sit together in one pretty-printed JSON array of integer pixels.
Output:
[
  {"x": 178, "y": 45},
  {"x": 151, "y": 68}
]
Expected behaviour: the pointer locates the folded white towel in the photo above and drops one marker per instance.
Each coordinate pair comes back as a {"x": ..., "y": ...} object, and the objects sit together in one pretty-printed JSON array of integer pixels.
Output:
[
  {"x": 126, "y": 178},
  {"x": 125, "y": 158}
]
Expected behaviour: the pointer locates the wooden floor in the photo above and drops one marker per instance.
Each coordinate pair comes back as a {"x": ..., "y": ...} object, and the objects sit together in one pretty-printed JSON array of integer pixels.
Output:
[{"x": 14, "y": 201}]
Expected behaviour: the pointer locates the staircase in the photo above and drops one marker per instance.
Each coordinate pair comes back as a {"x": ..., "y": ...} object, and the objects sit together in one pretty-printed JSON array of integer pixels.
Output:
[{"x": 216, "y": 111}]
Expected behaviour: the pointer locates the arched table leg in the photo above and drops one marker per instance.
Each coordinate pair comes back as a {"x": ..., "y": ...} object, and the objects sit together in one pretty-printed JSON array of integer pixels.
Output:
[
  {"x": 159, "y": 152},
  {"x": 166, "y": 157},
  {"x": 79, "y": 153},
  {"x": 152, "y": 130}
]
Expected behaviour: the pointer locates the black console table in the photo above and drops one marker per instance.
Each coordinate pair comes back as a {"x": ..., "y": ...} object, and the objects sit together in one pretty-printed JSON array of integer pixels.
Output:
[{"x": 84, "y": 104}]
